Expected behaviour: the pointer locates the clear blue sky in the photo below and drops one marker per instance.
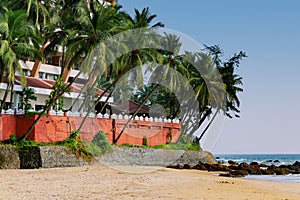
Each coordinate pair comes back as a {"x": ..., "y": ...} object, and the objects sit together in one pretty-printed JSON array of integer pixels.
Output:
[{"x": 269, "y": 32}]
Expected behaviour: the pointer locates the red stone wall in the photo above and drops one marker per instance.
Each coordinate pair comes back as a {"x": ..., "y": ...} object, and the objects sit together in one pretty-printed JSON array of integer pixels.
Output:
[{"x": 57, "y": 128}]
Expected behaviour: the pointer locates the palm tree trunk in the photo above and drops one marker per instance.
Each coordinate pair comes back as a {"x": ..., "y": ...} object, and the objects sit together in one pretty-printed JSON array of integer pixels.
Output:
[
  {"x": 46, "y": 109},
  {"x": 66, "y": 71},
  {"x": 96, "y": 102},
  {"x": 37, "y": 63},
  {"x": 77, "y": 98},
  {"x": 89, "y": 110},
  {"x": 208, "y": 125}
]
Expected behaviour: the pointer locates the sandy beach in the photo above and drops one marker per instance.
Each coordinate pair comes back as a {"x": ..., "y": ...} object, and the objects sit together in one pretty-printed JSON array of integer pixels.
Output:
[{"x": 100, "y": 182}]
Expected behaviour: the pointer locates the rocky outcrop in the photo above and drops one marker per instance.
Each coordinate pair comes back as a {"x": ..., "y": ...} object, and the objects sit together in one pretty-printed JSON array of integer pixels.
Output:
[{"x": 243, "y": 169}]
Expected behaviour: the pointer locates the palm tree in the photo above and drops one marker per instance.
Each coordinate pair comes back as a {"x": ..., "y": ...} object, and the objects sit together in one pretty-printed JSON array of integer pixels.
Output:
[
  {"x": 41, "y": 14},
  {"x": 17, "y": 38},
  {"x": 230, "y": 79},
  {"x": 94, "y": 25},
  {"x": 137, "y": 57}
]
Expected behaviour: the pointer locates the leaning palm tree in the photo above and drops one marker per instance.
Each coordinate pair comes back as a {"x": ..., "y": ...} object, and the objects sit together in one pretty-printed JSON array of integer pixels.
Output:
[
  {"x": 17, "y": 39},
  {"x": 138, "y": 57}
]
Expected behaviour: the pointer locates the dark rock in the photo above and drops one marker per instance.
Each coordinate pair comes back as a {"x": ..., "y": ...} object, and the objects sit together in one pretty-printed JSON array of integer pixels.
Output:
[
  {"x": 178, "y": 166},
  {"x": 295, "y": 167},
  {"x": 236, "y": 173},
  {"x": 269, "y": 161},
  {"x": 187, "y": 166},
  {"x": 225, "y": 175},
  {"x": 254, "y": 163},
  {"x": 199, "y": 166},
  {"x": 263, "y": 165},
  {"x": 267, "y": 172},
  {"x": 243, "y": 166},
  {"x": 251, "y": 169},
  {"x": 233, "y": 167},
  {"x": 297, "y": 164},
  {"x": 276, "y": 161},
  {"x": 219, "y": 167},
  {"x": 272, "y": 167},
  {"x": 281, "y": 171},
  {"x": 232, "y": 162},
  {"x": 217, "y": 157},
  {"x": 283, "y": 166}
]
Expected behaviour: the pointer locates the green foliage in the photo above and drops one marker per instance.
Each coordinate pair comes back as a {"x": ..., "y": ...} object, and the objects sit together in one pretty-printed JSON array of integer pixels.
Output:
[
  {"x": 178, "y": 146},
  {"x": 27, "y": 95},
  {"x": 72, "y": 141},
  {"x": 171, "y": 146},
  {"x": 100, "y": 144},
  {"x": 194, "y": 146},
  {"x": 13, "y": 140},
  {"x": 145, "y": 141},
  {"x": 58, "y": 88},
  {"x": 132, "y": 146}
]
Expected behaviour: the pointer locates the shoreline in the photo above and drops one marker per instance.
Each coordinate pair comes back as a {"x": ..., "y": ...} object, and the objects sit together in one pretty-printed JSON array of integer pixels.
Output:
[{"x": 102, "y": 182}]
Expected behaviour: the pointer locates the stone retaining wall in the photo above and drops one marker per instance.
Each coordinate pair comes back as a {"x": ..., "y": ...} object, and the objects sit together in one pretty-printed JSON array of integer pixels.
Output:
[
  {"x": 59, "y": 156},
  {"x": 155, "y": 157},
  {"x": 9, "y": 157}
]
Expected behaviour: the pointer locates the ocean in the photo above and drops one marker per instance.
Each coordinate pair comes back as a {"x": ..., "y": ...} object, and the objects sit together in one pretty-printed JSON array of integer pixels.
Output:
[{"x": 284, "y": 159}]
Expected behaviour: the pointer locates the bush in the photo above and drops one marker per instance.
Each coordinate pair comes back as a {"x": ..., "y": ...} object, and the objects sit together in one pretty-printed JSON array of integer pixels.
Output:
[
  {"x": 99, "y": 144},
  {"x": 71, "y": 141},
  {"x": 13, "y": 140},
  {"x": 194, "y": 146}
]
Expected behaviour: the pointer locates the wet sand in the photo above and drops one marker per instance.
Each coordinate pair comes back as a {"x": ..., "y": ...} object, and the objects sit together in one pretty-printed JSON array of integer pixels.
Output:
[{"x": 100, "y": 182}]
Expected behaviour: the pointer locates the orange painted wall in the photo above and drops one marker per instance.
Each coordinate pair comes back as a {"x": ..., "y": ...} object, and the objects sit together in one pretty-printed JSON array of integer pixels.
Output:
[
  {"x": 57, "y": 128},
  {"x": 156, "y": 132},
  {"x": 7, "y": 126}
]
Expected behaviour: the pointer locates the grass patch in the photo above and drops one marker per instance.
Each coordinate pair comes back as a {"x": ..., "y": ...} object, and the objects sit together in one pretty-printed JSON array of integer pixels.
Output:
[{"x": 172, "y": 146}]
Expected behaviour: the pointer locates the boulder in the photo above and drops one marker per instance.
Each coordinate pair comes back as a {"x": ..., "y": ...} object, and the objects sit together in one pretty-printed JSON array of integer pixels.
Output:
[
  {"x": 187, "y": 166},
  {"x": 199, "y": 166},
  {"x": 263, "y": 165},
  {"x": 254, "y": 163},
  {"x": 231, "y": 162},
  {"x": 297, "y": 164},
  {"x": 267, "y": 172},
  {"x": 236, "y": 173}
]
